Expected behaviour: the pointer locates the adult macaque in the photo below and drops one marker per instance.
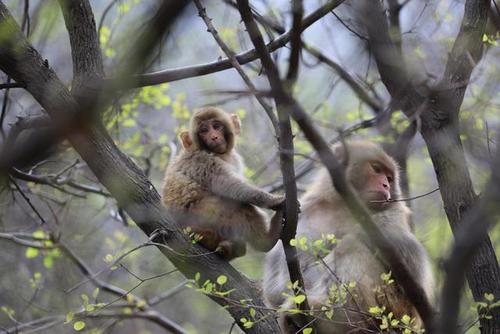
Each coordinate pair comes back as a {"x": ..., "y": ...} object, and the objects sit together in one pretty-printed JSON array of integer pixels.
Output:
[
  {"x": 206, "y": 181},
  {"x": 344, "y": 308}
]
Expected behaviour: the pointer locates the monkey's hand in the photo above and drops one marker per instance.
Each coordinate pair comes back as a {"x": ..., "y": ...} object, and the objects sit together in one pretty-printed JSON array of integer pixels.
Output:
[
  {"x": 277, "y": 203},
  {"x": 282, "y": 206}
]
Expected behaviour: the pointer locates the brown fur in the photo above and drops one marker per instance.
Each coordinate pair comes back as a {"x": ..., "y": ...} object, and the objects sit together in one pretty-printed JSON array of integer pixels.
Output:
[
  {"x": 353, "y": 258},
  {"x": 211, "y": 188}
]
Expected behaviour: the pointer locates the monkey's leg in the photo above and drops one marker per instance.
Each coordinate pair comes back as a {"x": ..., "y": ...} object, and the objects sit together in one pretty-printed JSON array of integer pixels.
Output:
[
  {"x": 230, "y": 249},
  {"x": 209, "y": 239}
]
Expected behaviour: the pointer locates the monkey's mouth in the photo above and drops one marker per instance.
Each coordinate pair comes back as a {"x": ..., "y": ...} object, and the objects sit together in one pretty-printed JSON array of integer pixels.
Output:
[
  {"x": 378, "y": 197},
  {"x": 217, "y": 147}
]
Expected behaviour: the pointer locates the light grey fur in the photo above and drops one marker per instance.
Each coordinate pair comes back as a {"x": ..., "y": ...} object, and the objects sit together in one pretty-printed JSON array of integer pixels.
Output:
[{"x": 324, "y": 212}]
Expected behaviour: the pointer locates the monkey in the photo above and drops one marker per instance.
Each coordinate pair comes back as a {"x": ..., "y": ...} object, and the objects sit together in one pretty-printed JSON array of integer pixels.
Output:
[
  {"x": 375, "y": 177},
  {"x": 206, "y": 182}
]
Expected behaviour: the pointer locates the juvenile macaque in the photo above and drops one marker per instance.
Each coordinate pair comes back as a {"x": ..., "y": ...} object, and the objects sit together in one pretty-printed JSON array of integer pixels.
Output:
[
  {"x": 374, "y": 175},
  {"x": 206, "y": 181}
]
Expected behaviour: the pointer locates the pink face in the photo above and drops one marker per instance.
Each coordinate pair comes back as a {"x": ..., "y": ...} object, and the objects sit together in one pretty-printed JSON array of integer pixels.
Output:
[
  {"x": 212, "y": 136},
  {"x": 379, "y": 182}
]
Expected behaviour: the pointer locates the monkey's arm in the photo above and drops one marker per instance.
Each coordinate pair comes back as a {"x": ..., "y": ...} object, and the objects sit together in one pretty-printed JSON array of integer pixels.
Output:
[
  {"x": 216, "y": 176},
  {"x": 231, "y": 186}
]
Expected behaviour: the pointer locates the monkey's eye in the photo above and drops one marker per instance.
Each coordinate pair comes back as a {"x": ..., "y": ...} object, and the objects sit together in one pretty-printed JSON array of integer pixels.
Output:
[
  {"x": 377, "y": 168},
  {"x": 203, "y": 130},
  {"x": 390, "y": 178},
  {"x": 217, "y": 126}
]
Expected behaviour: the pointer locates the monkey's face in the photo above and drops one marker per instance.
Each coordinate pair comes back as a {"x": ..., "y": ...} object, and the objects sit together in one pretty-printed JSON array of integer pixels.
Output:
[
  {"x": 212, "y": 135},
  {"x": 375, "y": 184}
]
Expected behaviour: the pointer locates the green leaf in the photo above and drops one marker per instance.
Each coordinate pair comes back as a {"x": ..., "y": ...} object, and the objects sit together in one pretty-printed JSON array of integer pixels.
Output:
[
  {"x": 69, "y": 317},
  {"x": 39, "y": 234},
  {"x": 299, "y": 299},
  {"x": 31, "y": 252},
  {"x": 128, "y": 123},
  {"x": 406, "y": 319},
  {"x": 95, "y": 293},
  {"x": 375, "y": 310},
  {"x": 85, "y": 299},
  {"x": 248, "y": 324},
  {"x": 307, "y": 330},
  {"x": 79, "y": 325},
  {"x": 221, "y": 280},
  {"x": 48, "y": 262},
  {"x": 489, "y": 297},
  {"x": 252, "y": 312}
]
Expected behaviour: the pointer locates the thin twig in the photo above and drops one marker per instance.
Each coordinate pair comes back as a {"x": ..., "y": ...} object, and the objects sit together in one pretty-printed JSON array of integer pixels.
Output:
[
  {"x": 26, "y": 198},
  {"x": 406, "y": 199},
  {"x": 234, "y": 62}
]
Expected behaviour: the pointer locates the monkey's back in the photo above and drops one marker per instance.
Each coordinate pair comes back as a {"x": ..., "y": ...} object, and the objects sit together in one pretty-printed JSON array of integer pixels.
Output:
[{"x": 179, "y": 190}]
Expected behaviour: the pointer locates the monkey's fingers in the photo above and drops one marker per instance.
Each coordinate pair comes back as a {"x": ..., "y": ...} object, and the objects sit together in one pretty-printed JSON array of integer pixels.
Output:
[{"x": 280, "y": 206}]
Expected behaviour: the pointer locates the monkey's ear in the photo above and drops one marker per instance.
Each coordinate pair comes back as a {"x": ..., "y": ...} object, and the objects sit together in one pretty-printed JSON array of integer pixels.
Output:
[
  {"x": 186, "y": 139},
  {"x": 236, "y": 124}
]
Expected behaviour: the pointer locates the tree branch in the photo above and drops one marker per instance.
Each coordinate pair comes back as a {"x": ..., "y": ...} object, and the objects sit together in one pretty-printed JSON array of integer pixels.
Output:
[
  {"x": 295, "y": 43},
  {"x": 468, "y": 239},
  {"x": 85, "y": 50},
  {"x": 160, "y": 77},
  {"x": 145, "y": 309}
]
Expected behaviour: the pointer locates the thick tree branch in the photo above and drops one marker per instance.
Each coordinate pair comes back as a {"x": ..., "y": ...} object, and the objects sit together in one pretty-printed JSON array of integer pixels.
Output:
[
  {"x": 468, "y": 239},
  {"x": 85, "y": 49},
  {"x": 390, "y": 62}
]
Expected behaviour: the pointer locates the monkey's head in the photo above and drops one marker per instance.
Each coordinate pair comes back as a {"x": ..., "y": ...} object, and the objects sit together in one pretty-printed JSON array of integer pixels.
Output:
[
  {"x": 213, "y": 130},
  {"x": 372, "y": 172}
]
